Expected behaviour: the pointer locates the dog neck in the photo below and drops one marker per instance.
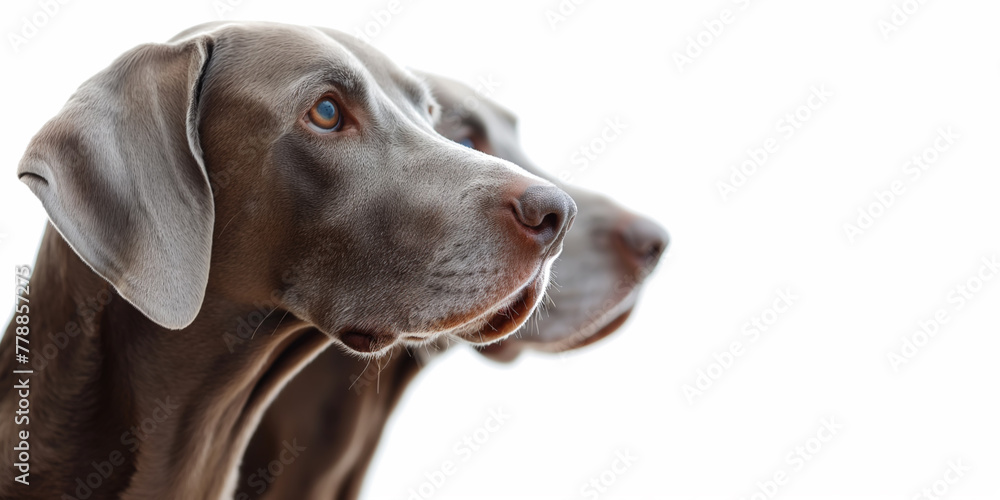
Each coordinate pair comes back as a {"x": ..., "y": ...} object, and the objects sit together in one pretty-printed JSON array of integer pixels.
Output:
[
  {"x": 123, "y": 408},
  {"x": 359, "y": 397}
]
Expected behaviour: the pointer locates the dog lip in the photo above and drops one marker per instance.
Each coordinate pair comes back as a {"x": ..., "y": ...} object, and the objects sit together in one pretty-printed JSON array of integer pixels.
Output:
[
  {"x": 469, "y": 328},
  {"x": 519, "y": 307},
  {"x": 509, "y": 317},
  {"x": 366, "y": 342}
]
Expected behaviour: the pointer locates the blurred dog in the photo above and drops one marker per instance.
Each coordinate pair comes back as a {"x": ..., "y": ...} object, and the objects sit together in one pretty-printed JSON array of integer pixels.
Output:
[{"x": 338, "y": 406}]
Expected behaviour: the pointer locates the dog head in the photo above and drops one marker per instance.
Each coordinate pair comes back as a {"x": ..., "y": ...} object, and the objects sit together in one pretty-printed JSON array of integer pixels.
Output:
[
  {"x": 240, "y": 154},
  {"x": 607, "y": 256}
]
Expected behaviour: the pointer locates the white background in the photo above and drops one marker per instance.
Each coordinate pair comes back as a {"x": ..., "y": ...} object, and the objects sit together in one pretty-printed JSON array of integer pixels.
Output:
[{"x": 826, "y": 357}]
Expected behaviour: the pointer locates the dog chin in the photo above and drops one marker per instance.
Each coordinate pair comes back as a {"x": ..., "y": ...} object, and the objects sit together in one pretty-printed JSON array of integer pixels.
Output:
[
  {"x": 510, "y": 316},
  {"x": 492, "y": 326},
  {"x": 507, "y": 315}
]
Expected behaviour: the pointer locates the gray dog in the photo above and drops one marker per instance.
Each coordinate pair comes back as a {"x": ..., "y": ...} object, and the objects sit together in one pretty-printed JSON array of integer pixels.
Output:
[{"x": 339, "y": 217}]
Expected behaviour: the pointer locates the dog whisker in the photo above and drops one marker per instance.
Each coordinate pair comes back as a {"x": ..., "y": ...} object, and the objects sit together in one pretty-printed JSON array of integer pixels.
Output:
[
  {"x": 227, "y": 223},
  {"x": 378, "y": 375},
  {"x": 363, "y": 372},
  {"x": 262, "y": 322},
  {"x": 279, "y": 323}
]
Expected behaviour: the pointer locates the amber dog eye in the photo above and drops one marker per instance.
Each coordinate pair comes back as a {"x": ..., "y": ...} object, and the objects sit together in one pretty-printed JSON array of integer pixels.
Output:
[{"x": 325, "y": 115}]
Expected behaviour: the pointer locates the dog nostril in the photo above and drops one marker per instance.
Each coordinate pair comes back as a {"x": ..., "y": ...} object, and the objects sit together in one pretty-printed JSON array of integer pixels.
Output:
[
  {"x": 545, "y": 211},
  {"x": 646, "y": 241},
  {"x": 549, "y": 223}
]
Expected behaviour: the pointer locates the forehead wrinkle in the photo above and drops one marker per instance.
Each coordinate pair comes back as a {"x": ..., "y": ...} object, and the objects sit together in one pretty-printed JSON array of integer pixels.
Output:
[
  {"x": 381, "y": 85},
  {"x": 391, "y": 79},
  {"x": 335, "y": 65},
  {"x": 330, "y": 73},
  {"x": 285, "y": 67}
]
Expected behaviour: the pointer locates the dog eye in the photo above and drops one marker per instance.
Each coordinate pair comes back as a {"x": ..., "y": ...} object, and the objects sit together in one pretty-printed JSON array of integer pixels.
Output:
[
  {"x": 325, "y": 115},
  {"x": 467, "y": 142}
]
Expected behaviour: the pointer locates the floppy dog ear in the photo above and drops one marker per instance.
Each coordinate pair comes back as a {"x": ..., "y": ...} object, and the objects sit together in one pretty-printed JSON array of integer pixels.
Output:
[{"x": 120, "y": 173}]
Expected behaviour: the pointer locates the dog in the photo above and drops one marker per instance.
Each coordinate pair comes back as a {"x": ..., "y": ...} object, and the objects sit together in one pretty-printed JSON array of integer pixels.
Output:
[
  {"x": 284, "y": 178},
  {"x": 337, "y": 407}
]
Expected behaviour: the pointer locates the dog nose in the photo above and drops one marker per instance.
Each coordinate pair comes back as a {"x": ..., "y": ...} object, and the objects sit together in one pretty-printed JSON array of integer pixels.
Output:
[
  {"x": 645, "y": 241},
  {"x": 546, "y": 212}
]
